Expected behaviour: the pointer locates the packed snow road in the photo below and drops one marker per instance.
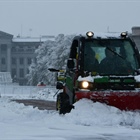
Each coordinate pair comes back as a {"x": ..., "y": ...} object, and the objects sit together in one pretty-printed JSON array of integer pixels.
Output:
[
  {"x": 88, "y": 121},
  {"x": 40, "y": 104}
]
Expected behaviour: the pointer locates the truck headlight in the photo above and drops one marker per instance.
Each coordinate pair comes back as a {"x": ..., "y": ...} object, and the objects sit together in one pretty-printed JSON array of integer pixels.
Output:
[
  {"x": 123, "y": 34},
  {"x": 85, "y": 84},
  {"x": 90, "y": 34}
]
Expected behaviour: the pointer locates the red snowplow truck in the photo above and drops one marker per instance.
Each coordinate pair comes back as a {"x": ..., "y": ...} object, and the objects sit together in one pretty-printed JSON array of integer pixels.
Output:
[{"x": 102, "y": 68}]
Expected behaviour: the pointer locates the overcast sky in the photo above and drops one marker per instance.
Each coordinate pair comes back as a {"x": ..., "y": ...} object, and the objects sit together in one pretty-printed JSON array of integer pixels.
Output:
[{"x": 51, "y": 17}]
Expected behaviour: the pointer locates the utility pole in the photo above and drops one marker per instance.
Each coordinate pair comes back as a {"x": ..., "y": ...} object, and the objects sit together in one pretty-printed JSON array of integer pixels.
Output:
[
  {"x": 30, "y": 32},
  {"x": 21, "y": 30},
  {"x": 108, "y": 29}
]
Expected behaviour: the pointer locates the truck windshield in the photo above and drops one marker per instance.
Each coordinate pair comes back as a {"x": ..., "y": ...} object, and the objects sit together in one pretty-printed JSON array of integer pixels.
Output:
[{"x": 110, "y": 57}]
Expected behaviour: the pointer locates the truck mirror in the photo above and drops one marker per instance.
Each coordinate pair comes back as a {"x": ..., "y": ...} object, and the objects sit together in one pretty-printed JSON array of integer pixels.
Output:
[
  {"x": 70, "y": 64},
  {"x": 53, "y": 70},
  {"x": 59, "y": 85}
]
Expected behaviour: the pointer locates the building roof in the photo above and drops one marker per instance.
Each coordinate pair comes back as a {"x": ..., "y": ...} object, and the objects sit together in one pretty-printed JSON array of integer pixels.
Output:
[
  {"x": 33, "y": 39},
  {"x": 4, "y": 34}
]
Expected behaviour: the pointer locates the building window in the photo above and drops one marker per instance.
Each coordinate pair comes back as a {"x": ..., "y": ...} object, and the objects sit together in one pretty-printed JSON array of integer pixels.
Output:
[
  {"x": 3, "y": 47},
  {"x": 29, "y": 49},
  {"x": 21, "y": 73},
  {"x": 14, "y": 73},
  {"x": 14, "y": 61},
  {"x": 29, "y": 61},
  {"x": 21, "y": 61},
  {"x": 27, "y": 71},
  {"x": 21, "y": 49},
  {"x": 13, "y": 49},
  {"x": 3, "y": 61}
]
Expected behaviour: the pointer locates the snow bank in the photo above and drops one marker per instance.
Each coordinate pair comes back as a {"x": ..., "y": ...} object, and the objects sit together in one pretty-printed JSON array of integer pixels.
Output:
[
  {"x": 28, "y": 92},
  {"x": 89, "y": 114},
  {"x": 85, "y": 113},
  {"x": 87, "y": 121}
]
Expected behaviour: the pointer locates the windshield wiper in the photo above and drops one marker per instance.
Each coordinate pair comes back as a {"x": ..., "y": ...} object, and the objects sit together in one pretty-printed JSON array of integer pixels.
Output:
[{"x": 115, "y": 53}]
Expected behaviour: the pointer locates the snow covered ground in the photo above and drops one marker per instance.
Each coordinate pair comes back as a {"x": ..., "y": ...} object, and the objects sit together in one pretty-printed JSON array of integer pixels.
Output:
[{"x": 88, "y": 121}]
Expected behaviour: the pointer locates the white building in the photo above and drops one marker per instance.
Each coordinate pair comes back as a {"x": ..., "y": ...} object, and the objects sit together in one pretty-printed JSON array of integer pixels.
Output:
[{"x": 17, "y": 53}]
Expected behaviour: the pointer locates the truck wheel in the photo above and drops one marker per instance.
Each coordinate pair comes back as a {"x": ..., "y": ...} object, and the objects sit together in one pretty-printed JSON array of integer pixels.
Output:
[
  {"x": 58, "y": 103},
  {"x": 62, "y": 103}
]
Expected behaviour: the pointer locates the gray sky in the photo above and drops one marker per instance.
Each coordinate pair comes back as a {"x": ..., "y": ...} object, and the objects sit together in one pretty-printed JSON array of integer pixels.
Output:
[{"x": 51, "y": 17}]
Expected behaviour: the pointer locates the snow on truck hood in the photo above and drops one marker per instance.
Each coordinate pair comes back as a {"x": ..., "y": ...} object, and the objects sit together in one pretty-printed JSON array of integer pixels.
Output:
[
  {"x": 137, "y": 78},
  {"x": 88, "y": 78},
  {"x": 91, "y": 78}
]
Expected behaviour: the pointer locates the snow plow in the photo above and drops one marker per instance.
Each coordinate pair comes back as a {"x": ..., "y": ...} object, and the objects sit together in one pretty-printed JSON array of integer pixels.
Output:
[{"x": 102, "y": 68}]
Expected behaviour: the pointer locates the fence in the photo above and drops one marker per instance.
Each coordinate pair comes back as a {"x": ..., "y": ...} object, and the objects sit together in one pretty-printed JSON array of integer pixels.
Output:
[{"x": 5, "y": 78}]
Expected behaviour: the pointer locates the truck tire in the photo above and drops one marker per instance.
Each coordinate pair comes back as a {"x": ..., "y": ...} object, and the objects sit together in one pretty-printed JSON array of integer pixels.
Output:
[{"x": 63, "y": 104}]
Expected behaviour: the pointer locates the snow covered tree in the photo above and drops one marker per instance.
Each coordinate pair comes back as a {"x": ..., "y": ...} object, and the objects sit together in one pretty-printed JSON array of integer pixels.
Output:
[
  {"x": 32, "y": 76},
  {"x": 51, "y": 54}
]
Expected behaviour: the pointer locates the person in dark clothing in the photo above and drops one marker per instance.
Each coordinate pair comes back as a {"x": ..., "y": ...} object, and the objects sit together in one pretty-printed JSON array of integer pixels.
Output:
[
  {"x": 114, "y": 64},
  {"x": 91, "y": 63}
]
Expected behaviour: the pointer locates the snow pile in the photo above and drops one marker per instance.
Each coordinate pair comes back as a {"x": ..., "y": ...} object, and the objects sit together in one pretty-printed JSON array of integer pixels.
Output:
[
  {"x": 46, "y": 94},
  {"x": 25, "y": 122},
  {"x": 86, "y": 113},
  {"x": 89, "y": 114}
]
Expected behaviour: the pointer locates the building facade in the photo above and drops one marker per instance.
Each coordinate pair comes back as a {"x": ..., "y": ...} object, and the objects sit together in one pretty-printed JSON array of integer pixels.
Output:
[
  {"x": 5, "y": 51},
  {"x": 17, "y": 53},
  {"x": 22, "y": 55},
  {"x": 136, "y": 36}
]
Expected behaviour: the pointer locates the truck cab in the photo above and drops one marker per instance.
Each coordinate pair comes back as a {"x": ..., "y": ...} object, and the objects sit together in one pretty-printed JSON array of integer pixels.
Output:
[{"x": 103, "y": 68}]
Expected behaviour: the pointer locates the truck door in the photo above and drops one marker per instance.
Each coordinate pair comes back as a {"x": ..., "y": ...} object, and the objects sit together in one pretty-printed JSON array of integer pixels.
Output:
[{"x": 71, "y": 70}]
